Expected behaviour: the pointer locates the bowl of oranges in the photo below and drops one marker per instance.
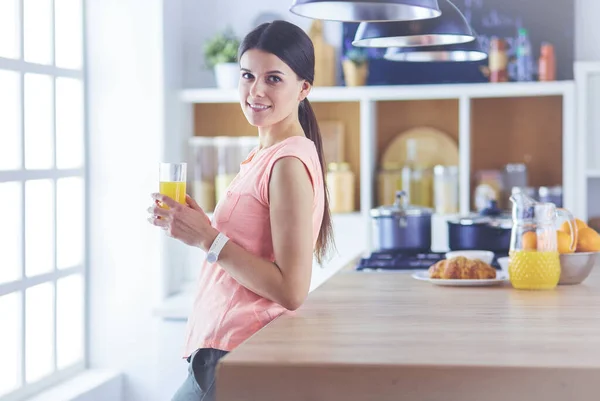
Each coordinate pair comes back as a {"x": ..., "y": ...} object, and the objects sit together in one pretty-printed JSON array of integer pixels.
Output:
[{"x": 576, "y": 264}]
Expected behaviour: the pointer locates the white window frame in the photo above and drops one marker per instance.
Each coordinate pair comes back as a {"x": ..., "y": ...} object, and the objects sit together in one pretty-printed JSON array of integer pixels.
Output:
[{"x": 22, "y": 175}]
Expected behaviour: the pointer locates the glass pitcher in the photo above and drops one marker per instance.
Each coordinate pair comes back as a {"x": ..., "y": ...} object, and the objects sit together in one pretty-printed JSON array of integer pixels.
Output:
[{"x": 534, "y": 262}]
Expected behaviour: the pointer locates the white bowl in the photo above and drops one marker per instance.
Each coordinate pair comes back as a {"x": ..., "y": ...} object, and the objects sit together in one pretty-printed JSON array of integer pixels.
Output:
[
  {"x": 484, "y": 256},
  {"x": 503, "y": 262},
  {"x": 576, "y": 267}
]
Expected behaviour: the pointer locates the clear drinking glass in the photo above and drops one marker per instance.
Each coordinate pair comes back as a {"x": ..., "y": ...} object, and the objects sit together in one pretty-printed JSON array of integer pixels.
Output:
[{"x": 172, "y": 178}]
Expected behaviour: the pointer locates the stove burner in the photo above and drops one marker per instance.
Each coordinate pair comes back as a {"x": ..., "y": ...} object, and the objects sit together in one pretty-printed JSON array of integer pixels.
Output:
[{"x": 398, "y": 260}]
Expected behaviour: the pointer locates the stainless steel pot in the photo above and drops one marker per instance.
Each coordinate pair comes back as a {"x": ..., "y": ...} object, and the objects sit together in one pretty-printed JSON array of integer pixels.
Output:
[
  {"x": 402, "y": 227},
  {"x": 490, "y": 231}
]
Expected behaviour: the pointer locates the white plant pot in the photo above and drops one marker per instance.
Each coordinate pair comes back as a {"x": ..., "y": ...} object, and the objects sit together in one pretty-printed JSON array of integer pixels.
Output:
[{"x": 227, "y": 75}]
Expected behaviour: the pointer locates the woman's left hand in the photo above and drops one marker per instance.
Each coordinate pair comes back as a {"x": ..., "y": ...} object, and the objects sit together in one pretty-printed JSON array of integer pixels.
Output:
[{"x": 187, "y": 223}]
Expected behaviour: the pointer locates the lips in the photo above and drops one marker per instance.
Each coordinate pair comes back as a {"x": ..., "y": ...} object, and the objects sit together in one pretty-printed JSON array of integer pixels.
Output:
[{"x": 257, "y": 107}]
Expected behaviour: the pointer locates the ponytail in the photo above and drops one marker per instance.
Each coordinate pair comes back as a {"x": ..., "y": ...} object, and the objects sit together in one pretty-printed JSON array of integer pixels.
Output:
[{"x": 310, "y": 126}]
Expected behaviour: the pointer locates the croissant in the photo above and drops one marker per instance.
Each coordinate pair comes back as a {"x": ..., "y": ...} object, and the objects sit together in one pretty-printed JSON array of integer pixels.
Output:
[{"x": 462, "y": 268}]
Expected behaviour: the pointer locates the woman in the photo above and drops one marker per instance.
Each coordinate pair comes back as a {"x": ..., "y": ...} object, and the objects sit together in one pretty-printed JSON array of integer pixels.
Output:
[{"x": 275, "y": 214}]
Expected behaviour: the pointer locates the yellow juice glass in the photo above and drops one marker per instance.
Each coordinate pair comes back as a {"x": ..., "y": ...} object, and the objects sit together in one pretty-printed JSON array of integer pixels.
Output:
[{"x": 172, "y": 181}]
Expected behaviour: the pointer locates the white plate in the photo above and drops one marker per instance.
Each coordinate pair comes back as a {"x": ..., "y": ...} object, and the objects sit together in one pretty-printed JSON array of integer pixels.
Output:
[{"x": 501, "y": 277}]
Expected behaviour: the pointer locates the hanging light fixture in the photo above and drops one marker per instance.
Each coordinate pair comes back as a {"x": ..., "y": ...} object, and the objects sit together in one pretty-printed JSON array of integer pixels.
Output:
[
  {"x": 450, "y": 28},
  {"x": 470, "y": 51},
  {"x": 366, "y": 10}
]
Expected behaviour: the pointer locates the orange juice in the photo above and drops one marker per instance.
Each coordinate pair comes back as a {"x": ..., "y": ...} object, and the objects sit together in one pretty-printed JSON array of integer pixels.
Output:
[
  {"x": 533, "y": 270},
  {"x": 174, "y": 190}
]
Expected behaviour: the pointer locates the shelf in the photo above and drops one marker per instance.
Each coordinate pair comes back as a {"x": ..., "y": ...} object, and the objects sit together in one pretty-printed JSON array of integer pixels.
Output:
[
  {"x": 493, "y": 125},
  {"x": 398, "y": 92},
  {"x": 525, "y": 130}
]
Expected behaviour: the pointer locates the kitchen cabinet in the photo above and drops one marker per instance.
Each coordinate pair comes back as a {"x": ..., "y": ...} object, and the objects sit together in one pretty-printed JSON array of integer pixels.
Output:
[{"x": 493, "y": 124}]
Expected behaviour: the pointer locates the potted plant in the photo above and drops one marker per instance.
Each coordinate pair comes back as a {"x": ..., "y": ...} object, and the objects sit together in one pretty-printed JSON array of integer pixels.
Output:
[
  {"x": 355, "y": 65},
  {"x": 220, "y": 53}
]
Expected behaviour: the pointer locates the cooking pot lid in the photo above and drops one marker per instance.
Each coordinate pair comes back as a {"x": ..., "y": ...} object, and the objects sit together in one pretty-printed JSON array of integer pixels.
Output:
[{"x": 401, "y": 208}]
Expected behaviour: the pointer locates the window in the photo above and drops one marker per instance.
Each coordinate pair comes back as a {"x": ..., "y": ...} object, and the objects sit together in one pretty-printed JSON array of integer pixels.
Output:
[{"x": 43, "y": 195}]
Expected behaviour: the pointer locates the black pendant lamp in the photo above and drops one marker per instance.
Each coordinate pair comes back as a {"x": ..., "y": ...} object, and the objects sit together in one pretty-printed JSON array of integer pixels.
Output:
[
  {"x": 470, "y": 51},
  {"x": 366, "y": 10},
  {"x": 449, "y": 28}
]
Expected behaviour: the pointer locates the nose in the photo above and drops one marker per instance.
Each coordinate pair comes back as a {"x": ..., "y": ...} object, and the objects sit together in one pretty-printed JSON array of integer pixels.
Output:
[{"x": 257, "y": 90}]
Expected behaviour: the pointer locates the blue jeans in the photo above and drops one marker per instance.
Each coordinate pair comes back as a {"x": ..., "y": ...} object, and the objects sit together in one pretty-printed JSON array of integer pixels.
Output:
[{"x": 200, "y": 383}]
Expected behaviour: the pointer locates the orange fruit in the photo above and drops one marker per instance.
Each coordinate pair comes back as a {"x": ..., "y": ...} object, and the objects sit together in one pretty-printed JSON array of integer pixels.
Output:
[
  {"x": 529, "y": 241},
  {"x": 566, "y": 228},
  {"x": 588, "y": 240},
  {"x": 563, "y": 241}
]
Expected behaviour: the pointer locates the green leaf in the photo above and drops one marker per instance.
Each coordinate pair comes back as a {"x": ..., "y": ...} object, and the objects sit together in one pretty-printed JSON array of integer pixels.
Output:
[{"x": 221, "y": 48}]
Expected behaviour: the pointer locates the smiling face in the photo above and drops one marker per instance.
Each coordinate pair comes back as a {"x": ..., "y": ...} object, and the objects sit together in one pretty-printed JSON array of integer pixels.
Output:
[{"x": 269, "y": 89}]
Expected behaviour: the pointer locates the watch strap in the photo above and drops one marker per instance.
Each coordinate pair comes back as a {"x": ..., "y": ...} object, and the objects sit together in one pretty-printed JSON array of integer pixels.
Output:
[{"x": 217, "y": 246}]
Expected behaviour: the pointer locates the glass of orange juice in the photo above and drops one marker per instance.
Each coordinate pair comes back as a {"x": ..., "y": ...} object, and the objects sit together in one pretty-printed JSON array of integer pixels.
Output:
[{"x": 172, "y": 181}]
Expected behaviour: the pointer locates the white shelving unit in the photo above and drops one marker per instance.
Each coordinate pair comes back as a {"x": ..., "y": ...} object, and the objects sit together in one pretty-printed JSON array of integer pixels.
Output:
[
  {"x": 464, "y": 93},
  {"x": 587, "y": 78}
]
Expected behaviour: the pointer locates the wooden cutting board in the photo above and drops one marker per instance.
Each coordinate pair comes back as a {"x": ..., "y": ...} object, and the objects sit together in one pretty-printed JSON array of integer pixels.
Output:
[
  {"x": 324, "y": 56},
  {"x": 433, "y": 147}
]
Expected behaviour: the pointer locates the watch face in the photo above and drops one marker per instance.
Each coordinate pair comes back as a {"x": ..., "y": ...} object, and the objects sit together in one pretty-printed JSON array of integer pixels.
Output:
[{"x": 211, "y": 257}]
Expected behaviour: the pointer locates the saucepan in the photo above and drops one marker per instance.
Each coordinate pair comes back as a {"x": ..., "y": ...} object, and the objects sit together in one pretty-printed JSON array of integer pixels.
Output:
[
  {"x": 402, "y": 227},
  {"x": 489, "y": 230}
]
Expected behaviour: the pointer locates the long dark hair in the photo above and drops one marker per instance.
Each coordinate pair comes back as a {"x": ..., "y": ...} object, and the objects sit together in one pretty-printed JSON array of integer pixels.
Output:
[{"x": 294, "y": 47}]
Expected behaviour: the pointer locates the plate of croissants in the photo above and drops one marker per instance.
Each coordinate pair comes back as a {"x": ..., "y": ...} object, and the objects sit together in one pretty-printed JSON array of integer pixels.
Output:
[{"x": 461, "y": 271}]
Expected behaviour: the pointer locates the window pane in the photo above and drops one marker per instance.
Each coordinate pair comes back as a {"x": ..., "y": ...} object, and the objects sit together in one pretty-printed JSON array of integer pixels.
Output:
[
  {"x": 10, "y": 117},
  {"x": 39, "y": 227},
  {"x": 37, "y": 31},
  {"x": 11, "y": 233},
  {"x": 38, "y": 122},
  {"x": 69, "y": 320},
  {"x": 69, "y": 222},
  {"x": 10, "y": 346},
  {"x": 68, "y": 31},
  {"x": 9, "y": 28},
  {"x": 69, "y": 123},
  {"x": 39, "y": 331}
]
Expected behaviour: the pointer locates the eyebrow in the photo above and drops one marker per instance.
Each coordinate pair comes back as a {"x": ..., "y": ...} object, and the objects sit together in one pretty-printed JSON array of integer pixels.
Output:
[{"x": 268, "y": 72}]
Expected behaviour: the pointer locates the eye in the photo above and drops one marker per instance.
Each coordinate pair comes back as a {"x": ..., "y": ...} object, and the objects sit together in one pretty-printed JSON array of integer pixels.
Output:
[
  {"x": 274, "y": 78},
  {"x": 247, "y": 75}
]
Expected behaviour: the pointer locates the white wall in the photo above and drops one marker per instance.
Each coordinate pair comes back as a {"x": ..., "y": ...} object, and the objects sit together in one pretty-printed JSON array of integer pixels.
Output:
[
  {"x": 587, "y": 30},
  {"x": 202, "y": 18},
  {"x": 126, "y": 126}
]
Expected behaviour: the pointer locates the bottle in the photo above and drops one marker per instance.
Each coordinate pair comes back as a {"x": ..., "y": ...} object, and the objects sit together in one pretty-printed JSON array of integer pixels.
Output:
[
  {"x": 446, "y": 189},
  {"x": 203, "y": 168},
  {"x": 340, "y": 184},
  {"x": 524, "y": 62},
  {"x": 408, "y": 170},
  {"x": 498, "y": 60},
  {"x": 547, "y": 63},
  {"x": 417, "y": 180},
  {"x": 389, "y": 181}
]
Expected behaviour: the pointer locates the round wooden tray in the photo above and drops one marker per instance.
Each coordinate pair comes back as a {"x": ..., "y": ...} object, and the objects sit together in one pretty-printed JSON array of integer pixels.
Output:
[{"x": 433, "y": 147}]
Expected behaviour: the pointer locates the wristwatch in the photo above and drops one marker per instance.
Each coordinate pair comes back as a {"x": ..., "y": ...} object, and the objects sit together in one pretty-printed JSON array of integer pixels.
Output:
[{"x": 215, "y": 249}]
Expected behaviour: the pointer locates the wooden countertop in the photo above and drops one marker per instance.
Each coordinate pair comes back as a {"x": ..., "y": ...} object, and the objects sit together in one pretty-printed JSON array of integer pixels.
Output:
[{"x": 386, "y": 336}]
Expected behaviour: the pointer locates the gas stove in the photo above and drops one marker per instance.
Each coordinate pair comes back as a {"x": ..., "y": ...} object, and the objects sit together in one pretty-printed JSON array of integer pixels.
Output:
[{"x": 397, "y": 260}]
